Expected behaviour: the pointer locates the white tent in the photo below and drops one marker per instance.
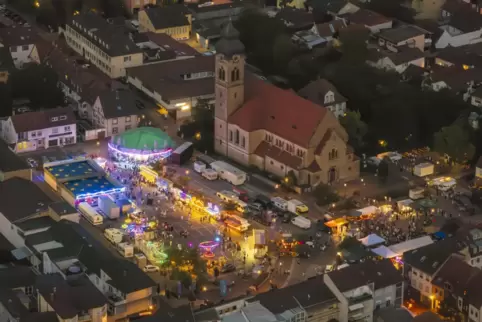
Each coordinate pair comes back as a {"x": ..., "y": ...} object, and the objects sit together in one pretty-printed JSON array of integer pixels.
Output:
[
  {"x": 370, "y": 210},
  {"x": 384, "y": 252},
  {"x": 372, "y": 239},
  {"x": 411, "y": 244}
]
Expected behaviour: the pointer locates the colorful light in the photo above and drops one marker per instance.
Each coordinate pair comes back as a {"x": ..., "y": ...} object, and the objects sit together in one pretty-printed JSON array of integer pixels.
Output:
[
  {"x": 162, "y": 154},
  {"x": 99, "y": 193}
]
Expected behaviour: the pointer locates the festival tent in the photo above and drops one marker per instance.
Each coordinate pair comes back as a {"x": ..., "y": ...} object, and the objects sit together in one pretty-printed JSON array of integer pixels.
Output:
[
  {"x": 371, "y": 240},
  {"x": 143, "y": 138},
  {"x": 384, "y": 252},
  {"x": 370, "y": 210},
  {"x": 411, "y": 244}
]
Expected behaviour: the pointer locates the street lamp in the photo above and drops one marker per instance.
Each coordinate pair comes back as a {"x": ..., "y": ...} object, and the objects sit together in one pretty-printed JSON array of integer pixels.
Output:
[{"x": 345, "y": 188}]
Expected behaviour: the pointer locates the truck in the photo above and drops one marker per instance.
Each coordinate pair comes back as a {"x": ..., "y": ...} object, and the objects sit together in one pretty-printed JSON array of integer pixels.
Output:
[
  {"x": 296, "y": 207},
  {"x": 229, "y": 173},
  {"x": 209, "y": 174},
  {"x": 126, "y": 249},
  {"x": 182, "y": 153},
  {"x": 109, "y": 207},
  {"x": 279, "y": 203},
  {"x": 114, "y": 235},
  {"x": 423, "y": 169},
  {"x": 199, "y": 166},
  {"x": 301, "y": 222}
]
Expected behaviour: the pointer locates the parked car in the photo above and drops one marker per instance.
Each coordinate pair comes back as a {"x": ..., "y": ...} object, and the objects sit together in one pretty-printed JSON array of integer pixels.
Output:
[
  {"x": 228, "y": 268},
  {"x": 151, "y": 268}
]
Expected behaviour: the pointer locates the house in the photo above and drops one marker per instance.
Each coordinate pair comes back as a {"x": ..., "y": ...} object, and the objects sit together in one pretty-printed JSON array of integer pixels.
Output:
[
  {"x": 461, "y": 25},
  {"x": 333, "y": 8},
  {"x": 457, "y": 80},
  {"x": 174, "y": 20},
  {"x": 63, "y": 210},
  {"x": 116, "y": 112},
  {"x": 365, "y": 287},
  {"x": 21, "y": 42},
  {"x": 18, "y": 279},
  {"x": 312, "y": 296},
  {"x": 422, "y": 265},
  {"x": 256, "y": 124},
  {"x": 308, "y": 39},
  {"x": 105, "y": 45},
  {"x": 6, "y": 64},
  {"x": 295, "y": 19},
  {"x": 40, "y": 130},
  {"x": 396, "y": 61},
  {"x": 67, "y": 248},
  {"x": 389, "y": 314},
  {"x": 176, "y": 85},
  {"x": 11, "y": 165},
  {"x": 71, "y": 299},
  {"x": 328, "y": 29},
  {"x": 409, "y": 35},
  {"x": 375, "y": 22},
  {"x": 465, "y": 57},
  {"x": 14, "y": 306},
  {"x": 323, "y": 93},
  {"x": 134, "y": 6}
]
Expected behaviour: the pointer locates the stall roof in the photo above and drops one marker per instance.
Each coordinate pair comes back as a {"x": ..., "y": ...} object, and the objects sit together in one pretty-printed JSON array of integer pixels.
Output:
[
  {"x": 384, "y": 252},
  {"x": 372, "y": 239},
  {"x": 336, "y": 222},
  {"x": 411, "y": 244},
  {"x": 366, "y": 211}
]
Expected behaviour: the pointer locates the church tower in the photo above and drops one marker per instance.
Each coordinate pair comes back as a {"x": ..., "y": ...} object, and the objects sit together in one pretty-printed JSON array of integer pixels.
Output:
[{"x": 229, "y": 86}]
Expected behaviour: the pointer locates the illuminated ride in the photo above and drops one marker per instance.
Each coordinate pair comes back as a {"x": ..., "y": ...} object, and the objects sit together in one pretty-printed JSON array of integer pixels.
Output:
[
  {"x": 142, "y": 144},
  {"x": 207, "y": 248}
]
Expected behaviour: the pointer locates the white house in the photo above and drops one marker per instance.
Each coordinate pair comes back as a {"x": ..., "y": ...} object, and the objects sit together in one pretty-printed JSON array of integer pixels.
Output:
[
  {"x": 397, "y": 61},
  {"x": 323, "y": 93},
  {"x": 40, "y": 130},
  {"x": 116, "y": 112},
  {"x": 21, "y": 42}
]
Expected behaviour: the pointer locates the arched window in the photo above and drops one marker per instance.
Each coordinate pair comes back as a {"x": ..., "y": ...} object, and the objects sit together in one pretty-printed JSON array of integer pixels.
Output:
[
  {"x": 333, "y": 154},
  {"x": 235, "y": 74},
  {"x": 221, "y": 74}
]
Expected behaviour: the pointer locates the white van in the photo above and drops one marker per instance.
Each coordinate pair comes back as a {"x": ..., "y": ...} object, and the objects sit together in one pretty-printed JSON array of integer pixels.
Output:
[
  {"x": 209, "y": 174},
  {"x": 199, "y": 166},
  {"x": 301, "y": 222},
  {"x": 280, "y": 203}
]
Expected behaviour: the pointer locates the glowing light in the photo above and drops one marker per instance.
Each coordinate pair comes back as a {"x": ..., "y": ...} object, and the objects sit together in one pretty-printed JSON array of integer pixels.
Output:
[
  {"x": 382, "y": 143},
  {"x": 37, "y": 4},
  {"x": 217, "y": 239},
  {"x": 204, "y": 288},
  {"x": 162, "y": 154},
  {"x": 124, "y": 226},
  {"x": 197, "y": 136},
  {"x": 128, "y": 220},
  {"x": 100, "y": 193}
]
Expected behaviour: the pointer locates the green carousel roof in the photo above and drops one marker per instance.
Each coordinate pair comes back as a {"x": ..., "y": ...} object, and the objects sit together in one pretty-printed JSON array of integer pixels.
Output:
[{"x": 144, "y": 138}]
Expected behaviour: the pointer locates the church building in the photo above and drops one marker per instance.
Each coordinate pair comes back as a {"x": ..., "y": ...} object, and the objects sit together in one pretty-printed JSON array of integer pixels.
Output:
[{"x": 257, "y": 123}]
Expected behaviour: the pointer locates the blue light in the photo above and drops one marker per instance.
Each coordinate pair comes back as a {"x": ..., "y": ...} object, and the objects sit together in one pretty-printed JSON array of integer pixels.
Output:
[
  {"x": 100, "y": 193},
  {"x": 217, "y": 239}
]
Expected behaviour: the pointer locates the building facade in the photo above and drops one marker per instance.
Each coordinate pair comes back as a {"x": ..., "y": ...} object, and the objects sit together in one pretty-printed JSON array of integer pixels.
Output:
[{"x": 174, "y": 20}]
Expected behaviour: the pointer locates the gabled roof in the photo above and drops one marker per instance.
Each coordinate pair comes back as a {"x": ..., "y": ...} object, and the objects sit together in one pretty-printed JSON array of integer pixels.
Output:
[
  {"x": 315, "y": 91},
  {"x": 328, "y": 29},
  {"x": 12, "y": 304},
  {"x": 455, "y": 273},
  {"x": 17, "y": 276},
  {"x": 456, "y": 78},
  {"x": 367, "y": 18},
  {"x": 402, "y": 33},
  {"x": 13, "y": 203},
  {"x": 295, "y": 18},
  {"x": 45, "y": 119},
  {"x": 462, "y": 16},
  {"x": 168, "y": 16},
  {"x": 118, "y": 104},
  {"x": 278, "y": 111},
  {"x": 17, "y": 36},
  {"x": 36, "y": 223}
]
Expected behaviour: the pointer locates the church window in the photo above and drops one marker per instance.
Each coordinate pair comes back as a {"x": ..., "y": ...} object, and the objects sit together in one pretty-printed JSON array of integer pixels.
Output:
[
  {"x": 221, "y": 74},
  {"x": 235, "y": 74},
  {"x": 237, "y": 137}
]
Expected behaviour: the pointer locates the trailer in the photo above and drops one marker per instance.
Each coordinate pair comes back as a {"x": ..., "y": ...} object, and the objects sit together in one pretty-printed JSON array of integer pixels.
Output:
[
  {"x": 229, "y": 173},
  {"x": 301, "y": 222},
  {"x": 109, "y": 207},
  {"x": 114, "y": 235},
  {"x": 90, "y": 214},
  {"x": 182, "y": 153},
  {"x": 126, "y": 249},
  {"x": 260, "y": 243},
  {"x": 296, "y": 207},
  {"x": 423, "y": 169}
]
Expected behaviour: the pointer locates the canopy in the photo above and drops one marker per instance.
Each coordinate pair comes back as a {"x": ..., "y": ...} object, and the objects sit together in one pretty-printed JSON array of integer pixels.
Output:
[
  {"x": 384, "y": 252},
  {"x": 365, "y": 211},
  {"x": 372, "y": 239},
  {"x": 411, "y": 244},
  {"x": 143, "y": 138},
  {"x": 336, "y": 222}
]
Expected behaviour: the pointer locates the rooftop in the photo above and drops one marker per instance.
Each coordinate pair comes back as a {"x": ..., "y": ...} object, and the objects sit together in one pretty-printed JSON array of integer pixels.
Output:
[
  {"x": 13, "y": 305},
  {"x": 462, "y": 16},
  {"x": 166, "y": 43},
  {"x": 295, "y": 18},
  {"x": 168, "y": 16},
  {"x": 35, "y": 223},
  {"x": 72, "y": 170},
  {"x": 17, "y": 36},
  {"x": 118, "y": 104},
  {"x": 368, "y": 18},
  {"x": 328, "y": 29},
  {"x": 111, "y": 39},
  {"x": 62, "y": 208},
  {"x": 13, "y": 202},
  {"x": 316, "y": 90},
  {"x": 45, "y": 119},
  {"x": 10, "y": 161},
  {"x": 402, "y": 33},
  {"x": 13, "y": 277},
  {"x": 454, "y": 274},
  {"x": 89, "y": 185},
  {"x": 380, "y": 273}
]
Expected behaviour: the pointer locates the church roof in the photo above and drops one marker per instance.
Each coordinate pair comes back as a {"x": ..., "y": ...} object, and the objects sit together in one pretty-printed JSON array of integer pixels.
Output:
[
  {"x": 229, "y": 44},
  {"x": 278, "y": 111}
]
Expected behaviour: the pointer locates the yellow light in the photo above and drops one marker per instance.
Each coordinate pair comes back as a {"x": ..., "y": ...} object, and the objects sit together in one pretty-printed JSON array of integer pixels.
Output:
[
  {"x": 98, "y": 143},
  {"x": 432, "y": 297},
  {"x": 151, "y": 307},
  {"x": 145, "y": 313},
  {"x": 128, "y": 221},
  {"x": 276, "y": 186},
  {"x": 338, "y": 254},
  {"x": 187, "y": 172},
  {"x": 204, "y": 288},
  {"x": 76, "y": 12},
  {"x": 37, "y": 4},
  {"x": 286, "y": 180},
  {"x": 382, "y": 143},
  {"x": 185, "y": 108},
  {"x": 198, "y": 136},
  {"x": 465, "y": 67}
]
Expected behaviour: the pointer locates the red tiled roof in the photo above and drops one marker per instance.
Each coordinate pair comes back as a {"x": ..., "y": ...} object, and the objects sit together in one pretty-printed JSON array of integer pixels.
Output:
[
  {"x": 265, "y": 149},
  {"x": 278, "y": 111}
]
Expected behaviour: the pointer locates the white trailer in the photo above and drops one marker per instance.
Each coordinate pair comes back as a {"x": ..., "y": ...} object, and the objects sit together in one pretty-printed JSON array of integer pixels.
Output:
[
  {"x": 109, "y": 207},
  {"x": 423, "y": 169},
  {"x": 301, "y": 222},
  {"x": 229, "y": 173},
  {"x": 199, "y": 166},
  {"x": 209, "y": 174},
  {"x": 126, "y": 249},
  {"x": 114, "y": 235},
  {"x": 296, "y": 207},
  {"x": 90, "y": 214},
  {"x": 280, "y": 203}
]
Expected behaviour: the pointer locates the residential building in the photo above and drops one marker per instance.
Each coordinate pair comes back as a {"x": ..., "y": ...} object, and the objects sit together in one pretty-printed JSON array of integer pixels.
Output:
[
  {"x": 324, "y": 93},
  {"x": 397, "y": 61},
  {"x": 14, "y": 308},
  {"x": 464, "y": 57},
  {"x": 375, "y": 22},
  {"x": 173, "y": 20},
  {"x": 405, "y": 35},
  {"x": 116, "y": 112},
  {"x": 334, "y": 8},
  {"x": 460, "y": 25},
  {"x": 19, "y": 279},
  {"x": 295, "y": 19},
  {"x": 11, "y": 165},
  {"x": 422, "y": 265},
  {"x": 6, "y": 64},
  {"x": 105, "y": 45},
  {"x": 72, "y": 299},
  {"x": 40, "y": 130},
  {"x": 219, "y": 11},
  {"x": 389, "y": 314},
  {"x": 21, "y": 42},
  {"x": 365, "y": 287},
  {"x": 256, "y": 124},
  {"x": 458, "y": 81},
  {"x": 134, "y": 6},
  {"x": 425, "y": 10},
  {"x": 328, "y": 29},
  {"x": 176, "y": 85},
  {"x": 309, "y": 39},
  {"x": 62, "y": 210}
]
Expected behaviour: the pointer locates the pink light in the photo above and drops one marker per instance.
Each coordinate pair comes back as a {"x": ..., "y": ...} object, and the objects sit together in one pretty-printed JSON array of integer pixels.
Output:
[{"x": 164, "y": 154}]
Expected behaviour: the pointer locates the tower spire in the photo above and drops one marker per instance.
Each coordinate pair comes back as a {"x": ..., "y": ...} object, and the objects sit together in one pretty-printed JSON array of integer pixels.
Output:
[{"x": 229, "y": 44}]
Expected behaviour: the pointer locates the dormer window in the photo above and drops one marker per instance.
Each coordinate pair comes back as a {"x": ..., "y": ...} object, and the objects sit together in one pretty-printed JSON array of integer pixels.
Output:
[{"x": 329, "y": 97}]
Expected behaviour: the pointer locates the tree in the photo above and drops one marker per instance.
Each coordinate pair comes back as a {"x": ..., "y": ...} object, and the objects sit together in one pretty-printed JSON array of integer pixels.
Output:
[
  {"x": 354, "y": 45},
  {"x": 38, "y": 83},
  {"x": 355, "y": 127},
  {"x": 454, "y": 141},
  {"x": 348, "y": 242},
  {"x": 200, "y": 129},
  {"x": 325, "y": 195}
]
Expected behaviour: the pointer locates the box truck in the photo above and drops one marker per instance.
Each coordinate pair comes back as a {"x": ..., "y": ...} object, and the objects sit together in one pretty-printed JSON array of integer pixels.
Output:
[
  {"x": 297, "y": 207},
  {"x": 182, "y": 153},
  {"x": 126, "y": 249},
  {"x": 279, "y": 203},
  {"x": 229, "y": 173},
  {"x": 114, "y": 235},
  {"x": 209, "y": 174},
  {"x": 301, "y": 222},
  {"x": 199, "y": 166},
  {"x": 109, "y": 207},
  {"x": 423, "y": 169}
]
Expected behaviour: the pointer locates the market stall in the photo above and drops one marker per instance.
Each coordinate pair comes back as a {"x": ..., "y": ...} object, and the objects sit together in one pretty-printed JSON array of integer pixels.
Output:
[{"x": 372, "y": 240}]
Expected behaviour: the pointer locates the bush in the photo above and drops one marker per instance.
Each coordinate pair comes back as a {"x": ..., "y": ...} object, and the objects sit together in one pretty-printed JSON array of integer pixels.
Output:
[{"x": 325, "y": 195}]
